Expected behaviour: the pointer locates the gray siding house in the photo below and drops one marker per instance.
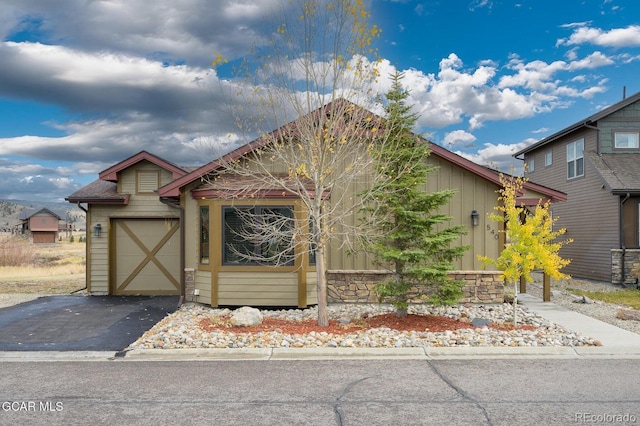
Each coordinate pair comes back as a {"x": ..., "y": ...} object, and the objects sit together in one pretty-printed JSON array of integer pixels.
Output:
[{"x": 596, "y": 162}]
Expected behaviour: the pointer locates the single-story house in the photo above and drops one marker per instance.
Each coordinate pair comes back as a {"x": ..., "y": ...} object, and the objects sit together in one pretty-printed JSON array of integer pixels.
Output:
[
  {"x": 157, "y": 228},
  {"x": 43, "y": 224}
]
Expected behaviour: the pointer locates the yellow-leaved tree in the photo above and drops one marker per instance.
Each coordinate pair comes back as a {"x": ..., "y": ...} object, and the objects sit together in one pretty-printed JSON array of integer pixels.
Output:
[{"x": 531, "y": 241}]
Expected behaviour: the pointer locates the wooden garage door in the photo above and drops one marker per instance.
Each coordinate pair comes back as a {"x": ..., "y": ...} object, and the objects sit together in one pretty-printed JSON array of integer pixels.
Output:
[{"x": 145, "y": 257}]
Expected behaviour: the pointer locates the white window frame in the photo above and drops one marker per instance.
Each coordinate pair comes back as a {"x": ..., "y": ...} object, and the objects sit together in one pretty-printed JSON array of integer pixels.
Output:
[
  {"x": 575, "y": 158},
  {"x": 631, "y": 140},
  {"x": 548, "y": 158},
  {"x": 531, "y": 165}
]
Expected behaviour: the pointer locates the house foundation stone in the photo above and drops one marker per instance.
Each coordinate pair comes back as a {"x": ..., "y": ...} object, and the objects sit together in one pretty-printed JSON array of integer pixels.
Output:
[
  {"x": 346, "y": 286},
  {"x": 625, "y": 266}
]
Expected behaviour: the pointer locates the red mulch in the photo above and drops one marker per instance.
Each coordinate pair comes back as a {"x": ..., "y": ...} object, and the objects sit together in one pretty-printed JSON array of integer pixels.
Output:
[{"x": 411, "y": 322}]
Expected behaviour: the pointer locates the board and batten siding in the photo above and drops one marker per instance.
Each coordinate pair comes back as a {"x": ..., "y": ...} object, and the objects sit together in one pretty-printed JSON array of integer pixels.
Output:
[
  {"x": 590, "y": 214},
  {"x": 472, "y": 193},
  {"x": 141, "y": 205}
]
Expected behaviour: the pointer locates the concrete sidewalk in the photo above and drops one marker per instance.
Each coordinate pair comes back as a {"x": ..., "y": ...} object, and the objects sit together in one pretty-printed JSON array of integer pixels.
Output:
[{"x": 609, "y": 335}]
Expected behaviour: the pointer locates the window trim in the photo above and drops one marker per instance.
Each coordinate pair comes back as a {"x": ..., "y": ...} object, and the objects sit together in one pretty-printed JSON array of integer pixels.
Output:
[
  {"x": 573, "y": 145},
  {"x": 257, "y": 247},
  {"x": 548, "y": 158},
  {"x": 201, "y": 240},
  {"x": 615, "y": 139}
]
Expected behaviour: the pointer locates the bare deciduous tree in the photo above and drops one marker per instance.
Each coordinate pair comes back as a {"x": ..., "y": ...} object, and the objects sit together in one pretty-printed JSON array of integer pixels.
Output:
[{"x": 314, "y": 86}]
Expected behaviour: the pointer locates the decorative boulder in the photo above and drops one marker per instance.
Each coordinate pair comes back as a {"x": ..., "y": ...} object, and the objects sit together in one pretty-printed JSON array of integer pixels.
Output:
[
  {"x": 245, "y": 317},
  {"x": 628, "y": 314},
  {"x": 583, "y": 299},
  {"x": 480, "y": 322}
]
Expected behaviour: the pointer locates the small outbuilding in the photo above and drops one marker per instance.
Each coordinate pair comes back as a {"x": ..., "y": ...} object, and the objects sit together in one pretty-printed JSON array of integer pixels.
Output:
[{"x": 43, "y": 225}]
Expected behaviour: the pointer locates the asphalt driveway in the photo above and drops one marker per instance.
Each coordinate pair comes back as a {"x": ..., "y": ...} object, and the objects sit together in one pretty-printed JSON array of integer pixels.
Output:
[{"x": 81, "y": 323}]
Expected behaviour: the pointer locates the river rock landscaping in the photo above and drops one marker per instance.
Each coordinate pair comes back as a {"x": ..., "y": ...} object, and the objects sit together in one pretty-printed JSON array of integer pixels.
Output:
[{"x": 360, "y": 326}]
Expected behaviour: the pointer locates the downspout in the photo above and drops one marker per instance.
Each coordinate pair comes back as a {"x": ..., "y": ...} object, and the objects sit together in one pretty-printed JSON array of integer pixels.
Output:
[
  {"x": 86, "y": 247},
  {"x": 182, "y": 244},
  {"x": 622, "y": 246},
  {"x": 589, "y": 126}
]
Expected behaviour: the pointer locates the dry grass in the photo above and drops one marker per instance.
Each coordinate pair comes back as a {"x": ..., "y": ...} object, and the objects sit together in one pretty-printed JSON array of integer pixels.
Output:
[{"x": 41, "y": 268}]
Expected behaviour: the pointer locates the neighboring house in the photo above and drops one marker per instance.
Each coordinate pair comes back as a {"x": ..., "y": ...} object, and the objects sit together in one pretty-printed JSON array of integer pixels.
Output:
[
  {"x": 596, "y": 162},
  {"x": 43, "y": 225},
  {"x": 156, "y": 228}
]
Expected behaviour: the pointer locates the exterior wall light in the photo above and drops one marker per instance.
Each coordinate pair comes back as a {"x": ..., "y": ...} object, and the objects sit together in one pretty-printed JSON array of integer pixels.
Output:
[
  {"x": 475, "y": 218},
  {"x": 97, "y": 230}
]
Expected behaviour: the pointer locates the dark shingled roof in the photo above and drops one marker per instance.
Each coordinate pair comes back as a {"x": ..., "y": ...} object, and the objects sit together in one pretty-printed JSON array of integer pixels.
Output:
[
  {"x": 619, "y": 172},
  {"x": 99, "y": 191}
]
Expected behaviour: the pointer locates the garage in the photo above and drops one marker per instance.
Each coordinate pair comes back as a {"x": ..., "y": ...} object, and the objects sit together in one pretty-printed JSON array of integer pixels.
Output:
[{"x": 145, "y": 257}]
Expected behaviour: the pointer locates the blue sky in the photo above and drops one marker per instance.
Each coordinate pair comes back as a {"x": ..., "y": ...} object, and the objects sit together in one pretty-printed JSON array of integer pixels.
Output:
[{"x": 84, "y": 85}]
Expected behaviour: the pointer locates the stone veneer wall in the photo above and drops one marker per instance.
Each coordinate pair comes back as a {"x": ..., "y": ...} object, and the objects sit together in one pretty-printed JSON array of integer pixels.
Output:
[
  {"x": 623, "y": 262},
  {"x": 357, "y": 286}
]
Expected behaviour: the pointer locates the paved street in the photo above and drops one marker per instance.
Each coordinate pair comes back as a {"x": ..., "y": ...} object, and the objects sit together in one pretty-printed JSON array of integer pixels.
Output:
[{"x": 328, "y": 392}]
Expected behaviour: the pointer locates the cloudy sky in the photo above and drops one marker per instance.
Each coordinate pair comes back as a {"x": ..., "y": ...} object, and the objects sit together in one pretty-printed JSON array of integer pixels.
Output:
[{"x": 85, "y": 84}]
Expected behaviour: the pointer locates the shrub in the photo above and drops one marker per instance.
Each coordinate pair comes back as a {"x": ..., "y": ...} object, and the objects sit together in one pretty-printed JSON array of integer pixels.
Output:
[{"x": 16, "y": 251}]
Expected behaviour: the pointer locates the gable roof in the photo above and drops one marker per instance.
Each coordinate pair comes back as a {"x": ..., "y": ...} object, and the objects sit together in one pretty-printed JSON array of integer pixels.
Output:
[
  {"x": 581, "y": 124},
  {"x": 28, "y": 213},
  {"x": 111, "y": 174},
  {"x": 619, "y": 173},
  {"x": 173, "y": 189}
]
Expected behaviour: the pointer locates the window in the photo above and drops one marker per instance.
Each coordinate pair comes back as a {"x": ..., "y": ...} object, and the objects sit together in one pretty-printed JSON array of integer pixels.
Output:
[
  {"x": 548, "y": 158},
  {"x": 258, "y": 236},
  {"x": 531, "y": 165},
  {"x": 204, "y": 235},
  {"x": 575, "y": 159},
  {"x": 626, "y": 139}
]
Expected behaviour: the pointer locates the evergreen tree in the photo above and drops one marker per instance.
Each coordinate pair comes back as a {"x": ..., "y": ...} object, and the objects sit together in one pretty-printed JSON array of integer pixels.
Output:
[{"x": 412, "y": 237}]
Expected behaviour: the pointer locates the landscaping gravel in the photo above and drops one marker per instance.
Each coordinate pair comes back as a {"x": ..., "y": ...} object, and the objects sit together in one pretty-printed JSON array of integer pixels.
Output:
[{"x": 180, "y": 329}]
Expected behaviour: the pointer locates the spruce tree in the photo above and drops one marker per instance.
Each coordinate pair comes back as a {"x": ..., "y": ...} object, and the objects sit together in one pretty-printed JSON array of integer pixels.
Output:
[{"x": 412, "y": 237}]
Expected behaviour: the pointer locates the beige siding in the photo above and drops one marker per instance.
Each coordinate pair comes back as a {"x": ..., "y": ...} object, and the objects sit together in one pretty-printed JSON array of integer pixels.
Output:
[
  {"x": 472, "y": 193},
  {"x": 203, "y": 283},
  {"x": 258, "y": 288},
  {"x": 140, "y": 206},
  {"x": 312, "y": 288},
  {"x": 277, "y": 287},
  {"x": 191, "y": 229}
]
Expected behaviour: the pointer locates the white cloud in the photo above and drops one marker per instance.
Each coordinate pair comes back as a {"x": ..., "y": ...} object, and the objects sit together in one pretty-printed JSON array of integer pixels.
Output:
[
  {"x": 498, "y": 157},
  {"x": 458, "y": 138},
  {"x": 617, "y": 37}
]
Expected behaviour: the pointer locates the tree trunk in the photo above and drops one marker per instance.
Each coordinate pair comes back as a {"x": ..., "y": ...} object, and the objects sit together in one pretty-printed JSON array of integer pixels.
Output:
[{"x": 321, "y": 284}]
